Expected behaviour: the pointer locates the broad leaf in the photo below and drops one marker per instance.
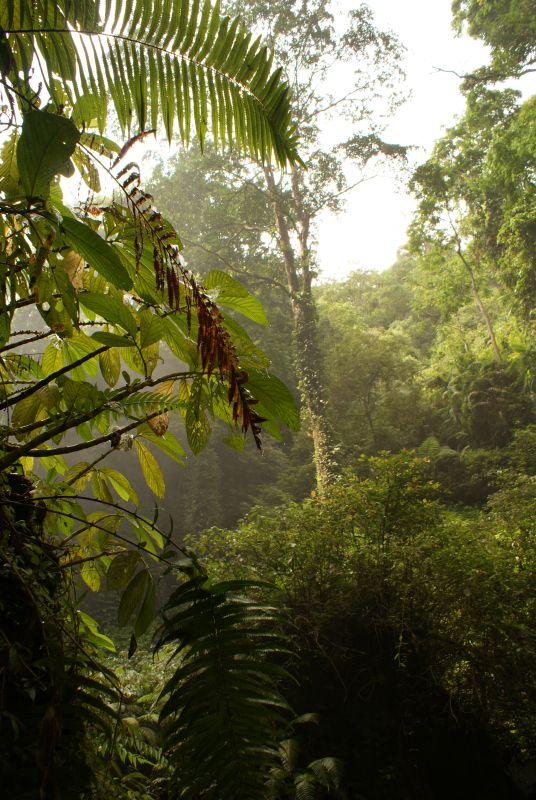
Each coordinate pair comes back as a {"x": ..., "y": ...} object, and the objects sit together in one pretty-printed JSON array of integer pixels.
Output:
[
  {"x": 230, "y": 293},
  {"x": 111, "y": 309},
  {"x": 133, "y": 597},
  {"x": 112, "y": 339},
  {"x": 120, "y": 484},
  {"x": 151, "y": 471},
  {"x": 147, "y": 611},
  {"x": 44, "y": 149},
  {"x": 121, "y": 569},
  {"x": 97, "y": 252},
  {"x": 91, "y": 575},
  {"x": 168, "y": 443},
  {"x": 110, "y": 366},
  {"x": 274, "y": 397}
]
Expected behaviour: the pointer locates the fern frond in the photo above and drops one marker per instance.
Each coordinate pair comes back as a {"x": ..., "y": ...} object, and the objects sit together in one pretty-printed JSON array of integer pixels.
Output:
[
  {"x": 222, "y": 707},
  {"x": 328, "y": 772},
  {"x": 176, "y": 61}
]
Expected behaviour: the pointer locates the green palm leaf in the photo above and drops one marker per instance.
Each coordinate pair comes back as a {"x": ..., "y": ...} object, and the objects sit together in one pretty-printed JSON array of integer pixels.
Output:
[
  {"x": 222, "y": 709},
  {"x": 178, "y": 61}
]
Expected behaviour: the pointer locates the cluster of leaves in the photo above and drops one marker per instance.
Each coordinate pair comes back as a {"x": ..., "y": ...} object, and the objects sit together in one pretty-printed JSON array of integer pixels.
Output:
[
  {"x": 508, "y": 28},
  {"x": 182, "y": 64},
  {"x": 477, "y": 197},
  {"x": 104, "y": 285}
]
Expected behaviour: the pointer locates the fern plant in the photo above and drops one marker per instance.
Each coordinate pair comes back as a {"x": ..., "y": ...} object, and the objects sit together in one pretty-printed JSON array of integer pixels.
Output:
[
  {"x": 291, "y": 779},
  {"x": 223, "y": 711},
  {"x": 319, "y": 779},
  {"x": 175, "y": 60}
]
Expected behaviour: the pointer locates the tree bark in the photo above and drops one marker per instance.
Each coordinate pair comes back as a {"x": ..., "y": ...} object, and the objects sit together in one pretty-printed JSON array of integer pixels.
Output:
[
  {"x": 480, "y": 305},
  {"x": 309, "y": 361}
]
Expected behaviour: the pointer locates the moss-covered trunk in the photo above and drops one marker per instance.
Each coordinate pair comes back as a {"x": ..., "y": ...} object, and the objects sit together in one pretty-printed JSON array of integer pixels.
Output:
[{"x": 309, "y": 359}]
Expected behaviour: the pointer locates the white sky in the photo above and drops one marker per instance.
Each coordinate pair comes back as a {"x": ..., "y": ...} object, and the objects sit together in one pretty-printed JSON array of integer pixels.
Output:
[{"x": 373, "y": 225}]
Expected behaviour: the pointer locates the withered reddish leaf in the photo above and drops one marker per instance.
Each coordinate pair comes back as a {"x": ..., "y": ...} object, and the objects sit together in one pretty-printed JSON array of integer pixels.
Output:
[{"x": 159, "y": 424}]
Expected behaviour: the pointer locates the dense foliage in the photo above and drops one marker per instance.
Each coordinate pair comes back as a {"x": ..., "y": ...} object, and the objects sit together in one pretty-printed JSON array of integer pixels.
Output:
[
  {"x": 101, "y": 284},
  {"x": 351, "y": 613},
  {"x": 413, "y": 624}
]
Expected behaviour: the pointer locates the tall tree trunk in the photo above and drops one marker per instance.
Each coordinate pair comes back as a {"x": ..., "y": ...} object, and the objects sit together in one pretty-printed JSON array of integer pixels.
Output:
[
  {"x": 309, "y": 361},
  {"x": 480, "y": 304}
]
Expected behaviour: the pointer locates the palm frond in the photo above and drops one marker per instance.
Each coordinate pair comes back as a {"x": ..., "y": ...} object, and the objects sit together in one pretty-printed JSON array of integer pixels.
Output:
[
  {"x": 223, "y": 709},
  {"x": 178, "y": 61}
]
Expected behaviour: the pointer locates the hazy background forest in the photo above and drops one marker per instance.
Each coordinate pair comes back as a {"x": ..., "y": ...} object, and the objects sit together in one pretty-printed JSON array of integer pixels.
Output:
[
  {"x": 428, "y": 367},
  {"x": 393, "y": 513}
]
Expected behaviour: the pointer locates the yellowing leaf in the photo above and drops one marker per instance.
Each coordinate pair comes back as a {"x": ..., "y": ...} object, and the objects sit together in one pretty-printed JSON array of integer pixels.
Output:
[
  {"x": 110, "y": 366},
  {"x": 52, "y": 359},
  {"x": 151, "y": 471},
  {"x": 120, "y": 484},
  {"x": 27, "y": 410},
  {"x": 90, "y": 576},
  {"x": 74, "y": 265}
]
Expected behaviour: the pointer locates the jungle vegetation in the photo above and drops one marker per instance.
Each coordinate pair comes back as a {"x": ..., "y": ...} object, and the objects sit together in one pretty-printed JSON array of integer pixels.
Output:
[{"x": 262, "y": 535}]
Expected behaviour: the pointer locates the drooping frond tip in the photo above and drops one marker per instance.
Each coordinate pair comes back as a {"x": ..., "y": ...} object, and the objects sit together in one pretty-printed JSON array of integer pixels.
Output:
[
  {"x": 223, "y": 711},
  {"x": 215, "y": 346},
  {"x": 175, "y": 61}
]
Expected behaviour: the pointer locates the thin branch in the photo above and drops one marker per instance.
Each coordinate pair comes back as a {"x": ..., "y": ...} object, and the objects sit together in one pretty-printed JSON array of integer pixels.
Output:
[
  {"x": 331, "y": 105},
  {"x": 487, "y": 75},
  {"x": 234, "y": 269},
  {"x": 109, "y": 437},
  {"x": 344, "y": 191},
  {"x": 95, "y": 524},
  {"x": 120, "y": 395},
  {"x": 35, "y": 338},
  {"x": 89, "y": 467},
  {"x": 53, "y": 375}
]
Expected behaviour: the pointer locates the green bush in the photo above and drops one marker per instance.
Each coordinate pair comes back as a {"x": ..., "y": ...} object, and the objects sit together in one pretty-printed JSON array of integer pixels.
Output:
[{"x": 414, "y": 625}]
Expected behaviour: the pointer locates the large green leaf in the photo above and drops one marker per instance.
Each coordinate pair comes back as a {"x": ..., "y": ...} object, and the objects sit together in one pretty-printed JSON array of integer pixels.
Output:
[
  {"x": 44, "y": 150},
  {"x": 275, "y": 398},
  {"x": 112, "y": 339},
  {"x": 151, "y": 471},
  {"x": 147, "y": 611},
  {"x": 121, "y": 569},
  {"x": 222, "y": 698},
  {"x": 97, "y": 252},
  {"x": 110, "y": 308},
  {"x": 133, "y": 597},
  {"x": 232, "y": 294}
]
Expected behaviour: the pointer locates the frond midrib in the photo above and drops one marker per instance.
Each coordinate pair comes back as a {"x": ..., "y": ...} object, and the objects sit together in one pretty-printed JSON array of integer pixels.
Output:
[{"x": 149, "y": 45}]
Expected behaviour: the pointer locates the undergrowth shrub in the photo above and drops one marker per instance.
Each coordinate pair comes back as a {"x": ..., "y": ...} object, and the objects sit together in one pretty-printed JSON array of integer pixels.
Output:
[{"x": 414, "y": 625}]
